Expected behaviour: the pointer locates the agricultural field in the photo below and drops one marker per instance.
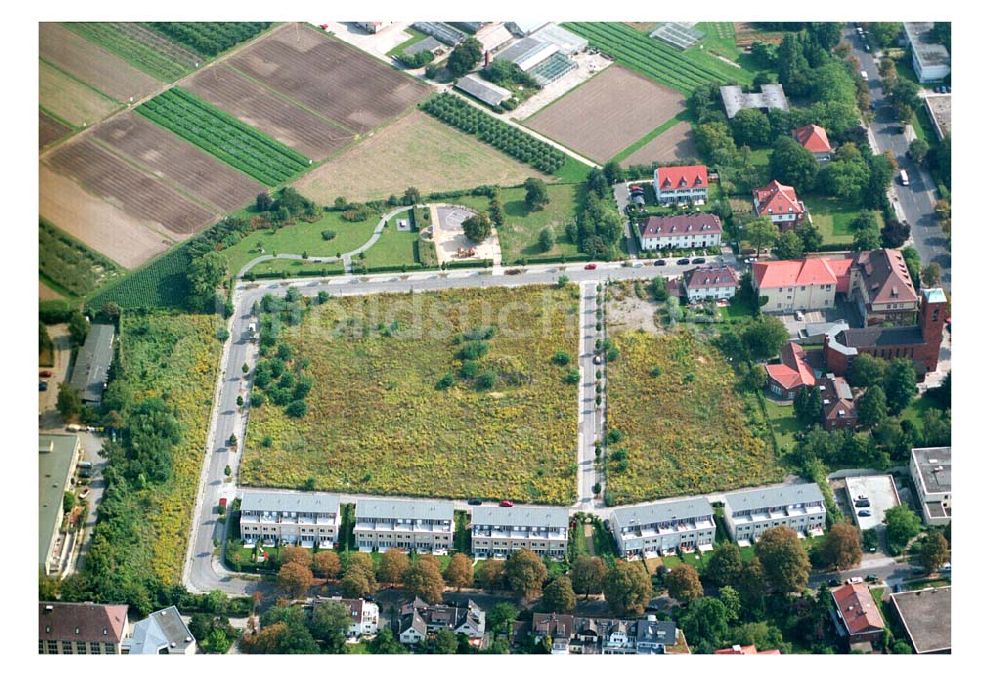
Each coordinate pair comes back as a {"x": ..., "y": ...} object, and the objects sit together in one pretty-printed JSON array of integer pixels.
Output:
[
  {"x": 70, "y": 99},
  {"x": 69, "y": 266},
  {"x": 379, "y": 424},
  {"x": 209, "y": 38},
  {"x": 114, "y": 180},
  {"x": 684, "y": 432},
  {"x": 259, "y": 107},
  {"x": 592, "y": 120},
  {"x": 121, "y": 236},
  {"x": 454, "y": 111},
  {"x": 519, "y": 233},
  {"x": 329, "y": 77},
  {"x": 92, "y": 64},
  {"x": 167, "y": 156},
  {"x": 145, "y": 49},
  {"x": 657, "y": 60},
  {"x": 223, "y": 136},
  {"x": 175, "y": 357},
  {"x": 448, "y": 160},
  {"x": 160, "y": 284},
  {"x": 303, "y": 237},
  {"x": 50, "y": 130},
  {"x": 676, "y": 143}
]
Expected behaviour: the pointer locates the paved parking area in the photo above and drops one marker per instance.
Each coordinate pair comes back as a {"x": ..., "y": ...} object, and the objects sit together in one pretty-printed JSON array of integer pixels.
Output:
[{"x": 881, "y": 492}]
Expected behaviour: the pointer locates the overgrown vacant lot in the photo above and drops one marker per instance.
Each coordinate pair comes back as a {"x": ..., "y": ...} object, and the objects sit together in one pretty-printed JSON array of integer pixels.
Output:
[
  {"x": 684, "y": 431},
  {"x": 610, "y": 111},
  {"x": 378, "y": 423},
  {"x": 417, "y": 150}
]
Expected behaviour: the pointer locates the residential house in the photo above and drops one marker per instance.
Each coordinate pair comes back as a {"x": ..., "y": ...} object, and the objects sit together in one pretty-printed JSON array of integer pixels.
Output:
[
  {"x": 930, "y": 468},
  {"x": 770, "y": 97},
  {"x": 779, "y": 203},
  {"x": 749, "y": 514},
  {"x": 363, "y": 614},
  {"x": 920, "y": 342},
  {"x": 554, "y": 628},
  {"x": 858, "y": 617},
  {"x": 418, "y": 620},
  {"x": 381, "y": 524},
  {"x": 162, "y": 632},
  {"x": 714, "y": 283},
  {"x": 498, "y": 532},
  {"x": 289, "y": 518},
  {"x": 687, "y": 231},
  {"x": 664, "y": 527},
  {"x": 751, "y": 650},
  {"x": 838, "y": 403},
  {"x": 882, "y": 289},
  {"x": 93, "y": 359},
  {"x": 793, "y": 372},
  {"x": 619, "y": 637},
  {"x": 81, "y": 628},
  {"x": 811, "y": 283},
  {"x": 655, "y": 637},
  {"x": 686, "y": 184},
  {"x": 813, "y": 139},
  {"x": 57, "y": 459},
  {"x": 931, "y": 60},
  {"x": 926, "y": 617}
]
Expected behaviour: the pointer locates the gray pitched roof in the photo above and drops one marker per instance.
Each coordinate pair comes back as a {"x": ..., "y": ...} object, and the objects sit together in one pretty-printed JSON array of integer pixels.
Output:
[
  {"x": 663, "y": 511},
  {"x": 161, "y": 629},
  {"x": 521, "y": 516},
  {"x": 90, "y": 372},
  {"x": 774, "y": 497},
  {"x": 486, "y": 92},
  {"x": 287, "y": 501},
  {"x": 404, "y": 509}
]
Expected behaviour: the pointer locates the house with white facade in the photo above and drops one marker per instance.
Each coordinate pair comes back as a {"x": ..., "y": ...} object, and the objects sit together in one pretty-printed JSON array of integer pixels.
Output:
[
  {"x": 664, "y": 527},
  {"x": 749, "y": 514},
  {"x": 162, "y": 632},
  {"x": 363, "y": 614},
  {"x": 931, "y": 60},
  {"x": 418, "y": 620},
  {"x": 686, "y": 184},
  {"x": 498, "y": 532},
  {"x": 686, "y": 231},
  {"x": 779, "y": 203},
  {"x": 713, "y": 283},
  {"x": 381, "y": 524},
  {"x": 930, "y": 468},
  {"x": 278, "y": 518}
]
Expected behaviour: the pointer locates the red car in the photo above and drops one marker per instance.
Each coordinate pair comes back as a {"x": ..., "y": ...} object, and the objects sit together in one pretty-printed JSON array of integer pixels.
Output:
[
  {"x": 590, "y": 266},
  {"x": 506, "y": 504},
  {"x": 45, "y": 374}
]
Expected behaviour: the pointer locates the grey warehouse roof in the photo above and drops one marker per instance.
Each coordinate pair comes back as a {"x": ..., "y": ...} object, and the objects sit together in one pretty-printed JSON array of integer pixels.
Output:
[
  {"x": 485, "y": 91},
  {"x": 404, "y": 509},
  {"x": 663, "y": 511},
  {"x": 286, "y": 501},
  {"x": 774, "y": 497},
  {"x": 934, "y": 465},
  {"x": 161, "y": 629},
  {"x": 90, "y": 372},
  {"x": 521, "y": 516},
  {"x": 735, "y": 99},
  {"x": 926, "y": 615}
]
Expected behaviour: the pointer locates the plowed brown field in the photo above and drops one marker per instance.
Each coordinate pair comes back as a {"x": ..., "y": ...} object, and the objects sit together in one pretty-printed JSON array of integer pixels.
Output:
[{"x": 50, "y": 130}]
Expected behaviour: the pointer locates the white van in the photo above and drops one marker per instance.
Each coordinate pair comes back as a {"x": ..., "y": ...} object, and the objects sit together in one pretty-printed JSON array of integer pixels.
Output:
[
  {"x": 864, "y": 75},
  {"x": 904, "y": 178}
]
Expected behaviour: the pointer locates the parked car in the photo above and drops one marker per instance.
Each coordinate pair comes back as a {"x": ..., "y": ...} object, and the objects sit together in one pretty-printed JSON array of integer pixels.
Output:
[
  {"x": 597, "y": 359},
  {"x": 683, "y": 262},
  {"x": 945, "y": 568},
  {"x": 868, "y": 47},
  {"x": 590, "y": 266},
  {"x": 85, "y": 493},
  {"x": 864, "y": 513},
  {"x": 698, "y": 260},
  {"x": 660, "y": 262},
  {"x": 864, "y": 75},
  {"x": 833, "y": 581},
  {"x": 506, "y": 503},
  {"x": 855, "y": 579},
  {"x": 799, "y": 316},
  {"x": 45, "y": 373},
  {"x": 43, "y": 386},
  {"x": 638, "y": 264},
  {"x": 475, "y": 501},
  {"x": 871, "y": 579}
]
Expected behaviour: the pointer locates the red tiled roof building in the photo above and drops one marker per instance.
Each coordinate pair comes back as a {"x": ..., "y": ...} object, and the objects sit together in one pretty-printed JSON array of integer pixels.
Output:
[
  {"x": 857, "y": 613},
  {"x": 813, "y": 139},
  {"x": 779, "y": 203},
  {"x": 687, "y": 184}
]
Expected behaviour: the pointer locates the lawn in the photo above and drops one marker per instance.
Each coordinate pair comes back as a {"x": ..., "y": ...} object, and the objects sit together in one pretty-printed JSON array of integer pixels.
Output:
[
  {"x": 784, "y": 423},
  {"x": 833, "y": 218},
  {"x": 685, "y": 431},
  {"x": 379, "y": 424},
  {"x": 303, "y": 237},
  {"x": 519, "y": 234},
  {"x": 394, "y": 248},
  {"x": 297, "y": 268}
]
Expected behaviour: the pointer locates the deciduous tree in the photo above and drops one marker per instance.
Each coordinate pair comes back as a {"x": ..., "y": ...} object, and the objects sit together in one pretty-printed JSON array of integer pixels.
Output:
[
  {"x": 761, "y": 233},
  {"x": 525, "y": 573},
  {"x": 901, "y": 525},
  {"x": 559, "y": 597},
  {"x": 294, "y": 579},
  {"x": 900, "y": 384},
  {"x": 786, "y": 565},
  {"x": 329, "y": 625},
  {"x": 476, "y": 227},
  {"x": 871, "y": 407},
  {"x": 459, "y": 572},
  {"x": 326, "y": 563},
  {"x": 490, "y": 576},
  {"x": 628, "y": 588},
  {"x": 725, "y": 566},
  {"x": 793, "y": 165},
  {"x": 424, "y": 580},
  {"x": 293, "y": 553},
  {"x": 683, "y": 583},
  {"x": 536, "y": 195},
  {"x": 934, "y": 552},
  {"x": 588, "y": 575},
  {"x": 842, "y": 547},
  {"x": 393, "y": 566}
]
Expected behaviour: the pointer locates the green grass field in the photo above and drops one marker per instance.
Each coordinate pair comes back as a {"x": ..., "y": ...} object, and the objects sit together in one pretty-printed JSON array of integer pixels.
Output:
[
  {"x": 162, "y": 283},
  {"x": 833, "y": 218},
  {"x": 377, "y": 423},
  {"x": 394, "y": 248},
  {"x": 784, "y": 423},
  {"x": 297, "y": 268}
]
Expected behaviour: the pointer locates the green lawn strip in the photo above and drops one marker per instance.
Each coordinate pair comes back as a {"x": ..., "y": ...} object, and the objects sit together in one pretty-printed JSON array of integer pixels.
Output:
[
  {"x": 394, "y": 248},
  {"x": 622, "y": 154},
  {"x": 720, "y": 38},
  {"x": 135, "y": 52},
  {"x": 297, "y": 268},
  {"x": 415, "y": 37},
  {"x": 784, "y": 423},
  {"x": 303, "y": 237},
  {"x": 833, "y": 218},
  {"x": 572, "y": 171}
]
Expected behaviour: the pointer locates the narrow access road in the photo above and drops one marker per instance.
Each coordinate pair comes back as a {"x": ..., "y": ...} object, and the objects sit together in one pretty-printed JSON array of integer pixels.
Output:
[{"x": 589, "y": 413}]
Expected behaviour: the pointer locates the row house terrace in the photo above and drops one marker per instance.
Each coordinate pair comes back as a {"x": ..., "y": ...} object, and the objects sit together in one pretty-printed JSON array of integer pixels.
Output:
[
  {"x": 297, "y": 518},
  {"x": 499, "y": 532},
  {"x": 800, "y": 507},
  {"x": 417, "y": 525},
  {"x": 664, "y": 527}
]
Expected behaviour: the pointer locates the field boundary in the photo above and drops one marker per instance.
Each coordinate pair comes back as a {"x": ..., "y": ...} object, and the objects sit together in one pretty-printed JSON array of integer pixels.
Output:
[
  {"x": 646, "y": 140},
  {"x": 89, "y": 86}
]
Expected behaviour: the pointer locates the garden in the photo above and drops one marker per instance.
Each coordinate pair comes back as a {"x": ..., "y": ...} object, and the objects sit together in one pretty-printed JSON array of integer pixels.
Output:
[
  {"x": 68, "y": 265},
  {"x": 449, "y": 394},
  {"x": 679, "y": 425}
]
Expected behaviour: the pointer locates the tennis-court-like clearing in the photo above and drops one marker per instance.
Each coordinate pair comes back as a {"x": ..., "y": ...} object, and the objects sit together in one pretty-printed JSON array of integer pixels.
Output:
[
  {"x": 417, "y": 150},
  {"x": 607, "y": 113}
]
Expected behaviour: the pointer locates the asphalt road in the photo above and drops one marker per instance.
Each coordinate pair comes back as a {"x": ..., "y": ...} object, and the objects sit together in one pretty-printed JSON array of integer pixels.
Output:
[
  {"x": 916, "y": 201},
  {"x": 590, "y": 414}
]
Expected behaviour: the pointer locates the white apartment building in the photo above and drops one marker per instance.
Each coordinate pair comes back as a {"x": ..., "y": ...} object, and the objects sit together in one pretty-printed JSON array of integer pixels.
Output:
[
  {"x": 289, "y": 518},
  {"x": 364, "y": 615},
  {"x": 931, "y": 60},
  {"x": 424, "y": 526},
  {"x": 664, "y": 527},
  {"x": 930, "y": 468},
  {"x": 687, "y": 231},
  {"x": 499, "y": 532},
  {"x": 720, "y": 282},
  {"x": 749, "y": 514}
]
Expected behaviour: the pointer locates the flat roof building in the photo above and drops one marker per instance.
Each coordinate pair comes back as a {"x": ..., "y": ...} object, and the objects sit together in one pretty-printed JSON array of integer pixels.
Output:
[
  {"x": 664, "y": 527},
  {"x": 162, "y": 632},
  {"x": 287, "y": 517},
  {"x": 499, "y": 532},
  {"x": 926, "y": 616},
  {"x": 770, "y": 97},
  {"x": 931, "y": 60},
  {"x": 749, "y": 514},
  {"x": 407, "y": 524},
  {"x": 57, "y": 459},
  {"x": 90, "y": 372},
  {"x": 930, "y": 468}
]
